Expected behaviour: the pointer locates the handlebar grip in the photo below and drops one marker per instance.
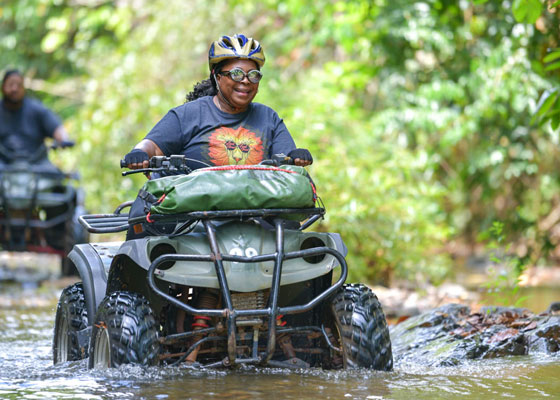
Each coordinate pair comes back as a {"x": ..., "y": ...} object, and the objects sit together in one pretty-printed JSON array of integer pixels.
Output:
[
  {"x": 289, "y": 160},
  {"x": 67, "y": 143},
  {"x": 123, "y": 164},
  {"x": 281, "y": 158}
]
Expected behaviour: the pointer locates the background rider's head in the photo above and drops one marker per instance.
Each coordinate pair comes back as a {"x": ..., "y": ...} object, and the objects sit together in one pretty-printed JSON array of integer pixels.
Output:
[
  {"x": 13, "y": 90},
  {"x": 235, "y": 64}
]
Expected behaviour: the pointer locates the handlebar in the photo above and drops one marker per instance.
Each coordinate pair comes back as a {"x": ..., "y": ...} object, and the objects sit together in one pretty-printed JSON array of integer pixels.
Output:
[
  {"x": 62, "y": 145},
  {"x": 178, "y": 164},
  {"x": 173, "y": 163},
  {"x": 278, "y": 159},
  {"x": 9, "y": 155}
]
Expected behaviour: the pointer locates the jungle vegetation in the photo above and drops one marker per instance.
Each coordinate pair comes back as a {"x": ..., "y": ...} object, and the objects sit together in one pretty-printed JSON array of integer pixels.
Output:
[{"x": 429, "y": 120}]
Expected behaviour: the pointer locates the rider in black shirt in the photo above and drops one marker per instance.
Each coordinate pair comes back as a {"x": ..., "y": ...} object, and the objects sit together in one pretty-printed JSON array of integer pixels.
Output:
[{"x": 25, "y": 122}]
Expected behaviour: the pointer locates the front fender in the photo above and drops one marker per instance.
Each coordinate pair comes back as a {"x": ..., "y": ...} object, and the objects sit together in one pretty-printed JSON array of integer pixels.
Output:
[{"x": 92, "y": 260}]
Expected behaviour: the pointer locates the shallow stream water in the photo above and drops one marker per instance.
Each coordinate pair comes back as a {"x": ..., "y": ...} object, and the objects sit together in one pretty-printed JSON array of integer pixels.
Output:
[{"x": 27, "y": 372}]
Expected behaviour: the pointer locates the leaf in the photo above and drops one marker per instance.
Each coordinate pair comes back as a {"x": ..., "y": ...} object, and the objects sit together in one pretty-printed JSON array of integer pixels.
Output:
[
  {"x": 520, "y": 301},
  {"x": 555, "y": 122},
  {"x": 532, "y": 325},
  {"x": 552, "y": 66},
  {"x": 52, "y": 41},
  {"x": 503, "y": 335},
  {"x": 480, "y": 1},
  {"x": 551, "y": 56},
  {"x": 527, "y": 11},
  {"x": 546, "y": 101},
  {"x": 553, "y": 5}
]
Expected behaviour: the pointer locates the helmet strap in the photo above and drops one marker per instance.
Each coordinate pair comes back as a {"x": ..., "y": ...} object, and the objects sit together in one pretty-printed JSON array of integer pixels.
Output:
[{"x": 222, "y": 95}]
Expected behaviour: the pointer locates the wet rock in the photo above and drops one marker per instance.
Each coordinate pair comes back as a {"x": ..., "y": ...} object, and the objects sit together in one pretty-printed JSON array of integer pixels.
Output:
[
  {"x": 546, "y": 336},
  {"x": 451, "y": 334},
  {"x": 505, "y": 342},
  {"x": 554, "y": 308}
]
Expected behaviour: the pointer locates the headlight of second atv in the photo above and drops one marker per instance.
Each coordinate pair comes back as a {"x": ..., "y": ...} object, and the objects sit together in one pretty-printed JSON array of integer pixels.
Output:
[{"x": 19, "y": 186}]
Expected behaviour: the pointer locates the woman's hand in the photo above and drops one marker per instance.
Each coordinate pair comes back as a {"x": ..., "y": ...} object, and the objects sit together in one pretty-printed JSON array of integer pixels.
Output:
[
  {"x": 137, "y": 159},
  {"x": 139, "y": 156},
  {"x": 301, "y": 157}
]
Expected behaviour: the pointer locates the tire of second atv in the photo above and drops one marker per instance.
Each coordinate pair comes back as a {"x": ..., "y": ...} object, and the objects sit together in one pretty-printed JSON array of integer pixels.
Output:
[
  {"x": 124, "y": 332},
  {"x": 362, "y": 328},
  {"x": 71, "y": 317}
]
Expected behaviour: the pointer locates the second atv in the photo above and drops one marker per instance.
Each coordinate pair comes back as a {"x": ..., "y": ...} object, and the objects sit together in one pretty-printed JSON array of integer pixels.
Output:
[{"x": 39, "y": 206}]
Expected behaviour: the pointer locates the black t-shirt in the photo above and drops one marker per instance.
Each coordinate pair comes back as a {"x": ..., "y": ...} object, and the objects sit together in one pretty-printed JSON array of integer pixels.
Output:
[
  {"x": 200, "y": 131},
  {"x": 22, "y": 131}
]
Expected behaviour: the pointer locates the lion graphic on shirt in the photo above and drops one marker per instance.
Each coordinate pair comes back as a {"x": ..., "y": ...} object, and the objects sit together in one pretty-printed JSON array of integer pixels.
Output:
[{"x": 239, "y": 146}]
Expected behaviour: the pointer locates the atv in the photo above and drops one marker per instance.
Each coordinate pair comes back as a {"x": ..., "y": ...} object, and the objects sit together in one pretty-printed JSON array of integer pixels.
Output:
[
  {"x": 39, "y": 205},
  {"x": 218, "y": 286}
]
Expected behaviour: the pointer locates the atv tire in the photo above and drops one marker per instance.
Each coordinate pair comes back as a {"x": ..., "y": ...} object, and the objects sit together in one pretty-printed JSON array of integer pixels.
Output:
[
  {"x": 124, "y": 332},
  {"x": 362, "y": 329},
  {"x": 71, "y": 317}
]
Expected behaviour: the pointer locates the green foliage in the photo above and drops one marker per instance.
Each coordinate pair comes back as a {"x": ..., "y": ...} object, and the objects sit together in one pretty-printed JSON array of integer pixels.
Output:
[
  {"x": 52, "y": 38},
  {"x": 379, "y": 196},
  {"x": 527, "y": 10},
  {"x": 504, "y": 274},
  {"x": 428, "y": 120},
  {"x": 548, "y": 107}
]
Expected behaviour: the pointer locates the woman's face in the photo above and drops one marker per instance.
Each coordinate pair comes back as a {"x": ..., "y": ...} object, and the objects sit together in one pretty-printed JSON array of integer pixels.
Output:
[{"x": 239, "y": 94}]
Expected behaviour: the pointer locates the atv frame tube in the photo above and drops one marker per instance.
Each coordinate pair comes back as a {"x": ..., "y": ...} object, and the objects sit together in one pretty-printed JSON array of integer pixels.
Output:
[{"x": 229, "y": 312}]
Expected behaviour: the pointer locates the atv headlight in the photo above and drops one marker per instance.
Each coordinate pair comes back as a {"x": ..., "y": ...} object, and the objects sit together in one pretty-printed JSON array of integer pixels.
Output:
[
  {"x": 18, "y": 185},
  {"x": 161, "y": 249},
  {"x": 310, "y": 243}
]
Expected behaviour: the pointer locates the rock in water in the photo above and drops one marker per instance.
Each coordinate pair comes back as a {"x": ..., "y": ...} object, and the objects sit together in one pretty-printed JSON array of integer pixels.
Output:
[{"x": 451, "y": 334}]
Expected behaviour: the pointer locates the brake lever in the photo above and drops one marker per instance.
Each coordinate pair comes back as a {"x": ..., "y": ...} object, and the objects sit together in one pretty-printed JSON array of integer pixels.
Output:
[
  {"x": 183, "y": 168},
  {"x": 142, "y": 170}
]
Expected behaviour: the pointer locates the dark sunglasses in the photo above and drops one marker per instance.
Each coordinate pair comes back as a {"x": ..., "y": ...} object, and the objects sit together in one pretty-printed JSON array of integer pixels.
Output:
[{"x": 237, "y": 75}]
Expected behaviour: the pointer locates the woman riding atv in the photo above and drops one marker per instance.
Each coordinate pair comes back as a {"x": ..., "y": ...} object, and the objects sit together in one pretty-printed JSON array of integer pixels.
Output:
[
  {"x": 219, "y": 124},
  {"x": 235, "y": 280}
]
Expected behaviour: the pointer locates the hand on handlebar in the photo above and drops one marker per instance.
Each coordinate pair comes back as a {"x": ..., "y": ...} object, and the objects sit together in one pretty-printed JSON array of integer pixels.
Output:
[
  {"x": 62, "y": 144},
  {"x": 174, "y": 164},
  {"x": 136, "y": 159},
  {"x": 301, "y": 157}
]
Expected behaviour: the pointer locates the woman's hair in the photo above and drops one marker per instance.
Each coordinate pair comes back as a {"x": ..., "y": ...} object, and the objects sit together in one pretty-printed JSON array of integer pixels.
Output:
[
  {"x": 208, "y": 86},
  {"x": 205, "y": 88}
]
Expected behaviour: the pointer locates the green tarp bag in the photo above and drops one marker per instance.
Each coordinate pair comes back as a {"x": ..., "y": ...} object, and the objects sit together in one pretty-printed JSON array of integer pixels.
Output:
[{"x": 233, "y": 187}]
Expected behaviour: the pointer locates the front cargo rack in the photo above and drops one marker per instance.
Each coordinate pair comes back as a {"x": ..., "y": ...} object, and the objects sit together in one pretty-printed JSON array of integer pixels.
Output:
[
  {"x": 119, "y": 222},
  {"x": 106, "y": 223}
]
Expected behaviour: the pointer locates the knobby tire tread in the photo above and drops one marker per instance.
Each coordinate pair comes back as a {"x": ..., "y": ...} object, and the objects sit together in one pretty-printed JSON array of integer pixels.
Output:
[
  {"x": 71, "y": 309},
  {"x": 132, "y": 329},
  {"x": 363, "y": 329}
]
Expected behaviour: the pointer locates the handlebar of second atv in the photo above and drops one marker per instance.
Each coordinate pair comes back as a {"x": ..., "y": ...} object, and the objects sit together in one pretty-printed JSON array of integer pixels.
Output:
[
  {"x": 62, "y": 145},
  {"x": 178, "y": 163},
  {"x": 9, "y": 155}
]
